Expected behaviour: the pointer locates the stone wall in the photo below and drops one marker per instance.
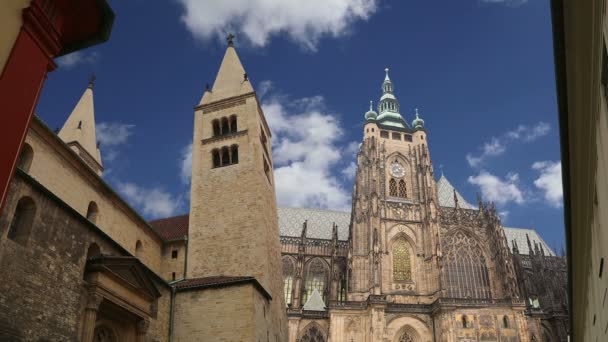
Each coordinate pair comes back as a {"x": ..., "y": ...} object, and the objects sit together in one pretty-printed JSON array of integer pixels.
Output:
[{"x": 42, "y": 292}]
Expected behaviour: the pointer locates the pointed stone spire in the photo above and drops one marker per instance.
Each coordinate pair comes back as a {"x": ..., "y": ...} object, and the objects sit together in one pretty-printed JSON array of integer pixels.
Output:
[
  {"x": 386, "y": 78},
  {"x": 456, "y": 206},
  {"x": 530, "y": 250},
  {"x": 231, "y": 80},
  {"x": 78, "y": 131}
]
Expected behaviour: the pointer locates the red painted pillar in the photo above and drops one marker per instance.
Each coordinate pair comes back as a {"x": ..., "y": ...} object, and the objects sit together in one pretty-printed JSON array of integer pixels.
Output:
[{"x": 20, "y": 85}]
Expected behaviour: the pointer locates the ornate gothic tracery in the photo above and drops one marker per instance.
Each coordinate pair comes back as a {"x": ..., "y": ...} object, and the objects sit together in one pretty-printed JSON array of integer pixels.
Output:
[
  {"x": 406, "y": 338},
  {"x": 402, "y": 270},
  {"x": 313, "y": 335},
  {"x": 465, "y": 271},
  {"x": 317, "y": 278}
]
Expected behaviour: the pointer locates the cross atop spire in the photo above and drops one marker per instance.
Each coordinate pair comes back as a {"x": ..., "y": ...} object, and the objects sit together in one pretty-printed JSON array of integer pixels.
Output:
[{"x": 230, "y": 39}]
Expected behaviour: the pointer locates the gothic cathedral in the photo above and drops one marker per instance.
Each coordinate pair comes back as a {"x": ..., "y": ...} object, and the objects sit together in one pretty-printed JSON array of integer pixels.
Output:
[{"x": 413, "y": 261}]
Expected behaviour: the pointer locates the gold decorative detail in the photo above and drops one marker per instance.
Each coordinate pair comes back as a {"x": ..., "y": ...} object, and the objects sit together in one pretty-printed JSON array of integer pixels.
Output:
[{"x": 401, "y": 261}]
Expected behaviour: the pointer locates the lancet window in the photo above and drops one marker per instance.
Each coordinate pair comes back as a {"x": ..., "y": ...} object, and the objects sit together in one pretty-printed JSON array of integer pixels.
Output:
[
  {"x": 23, "y": 220},
  {"x": 288, "y": 273},
  {"x": 316, "y": 279},
  {"x": 466, "y": 273},
  {"x": 402, "y": 269},
  {"x": 402, "y": 189},
  {"x": 392, "y": 187}
]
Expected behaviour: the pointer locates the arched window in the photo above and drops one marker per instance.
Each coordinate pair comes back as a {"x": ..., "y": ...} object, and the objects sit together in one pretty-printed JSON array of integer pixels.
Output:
[
  {"x": 23, "y": 220},
  {"x": 233, "y": 126},
  {"x": 505, "y": 322},
  {"x": 464, "y": 321},
  {"x": 402, "y": 270},
  {"x": 225, "y": 156},
  {"x": 225, "y": 126},
  {"x": 138, "y": 248},
  {"x": 92, "y": 212},
  {"x": 25, "y": 158},
  {"x": 288, "y": 272},
  {"x": 215, "y": 155},
  {"x": 316, "y": 278},
  {"x": 402, "y": 189},
  {"x": 234, "y": 152},
  {"x": 465, "y": 271},
  {"x": 216, "y": 127},
  {"x": 313, "y": 334},
  {"x": 392, "y": 187}
]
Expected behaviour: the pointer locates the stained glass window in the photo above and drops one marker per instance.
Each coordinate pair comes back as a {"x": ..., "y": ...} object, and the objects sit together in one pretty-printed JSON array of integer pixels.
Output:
[
  {"x": 465, "y": 272},
  {"x": 316, "y": 278},
  {"x": 392, "y": 187},
  {"x": 288, "y": 272},
  {"x": 401, "y": 261},
  {"x": 402, "y": 190}
]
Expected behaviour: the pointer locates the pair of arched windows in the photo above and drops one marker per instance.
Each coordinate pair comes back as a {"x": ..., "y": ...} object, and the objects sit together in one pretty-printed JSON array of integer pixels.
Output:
[
  {"x": 225, "y": 125},
  {"x": 397, "y": 189},
  {"x": 225, "y": 156},
  {"x": 23, "y": 220}
]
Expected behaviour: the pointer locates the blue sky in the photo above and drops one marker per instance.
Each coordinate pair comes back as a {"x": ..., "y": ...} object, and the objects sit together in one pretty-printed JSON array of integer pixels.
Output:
[{"x": 480, "y": 72}]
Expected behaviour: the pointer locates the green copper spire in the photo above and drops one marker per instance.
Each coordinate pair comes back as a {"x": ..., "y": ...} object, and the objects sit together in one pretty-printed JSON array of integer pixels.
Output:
[
  {"x": 388, "y": 107},
  {"x": 418, "y": 123},
  {"x": 371, "y": 114}
]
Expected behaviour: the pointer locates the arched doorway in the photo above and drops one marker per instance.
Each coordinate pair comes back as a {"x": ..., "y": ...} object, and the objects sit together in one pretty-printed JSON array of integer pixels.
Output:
[{"x": 104, "y": 334}]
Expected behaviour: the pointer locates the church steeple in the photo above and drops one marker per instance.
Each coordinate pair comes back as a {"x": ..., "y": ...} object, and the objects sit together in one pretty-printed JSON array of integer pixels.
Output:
[
  {"x": 231, "y": 79},
  {"x": 388, "y": 107},
  {"x": 78, "y": 131}
]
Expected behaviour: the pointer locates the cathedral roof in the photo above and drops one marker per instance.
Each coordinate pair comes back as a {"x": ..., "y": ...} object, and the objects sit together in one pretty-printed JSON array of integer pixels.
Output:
[
  {"x": 319, "y": 222},
  {"x": 445, "y": 192},
  {"x": 519, "y": 235}
]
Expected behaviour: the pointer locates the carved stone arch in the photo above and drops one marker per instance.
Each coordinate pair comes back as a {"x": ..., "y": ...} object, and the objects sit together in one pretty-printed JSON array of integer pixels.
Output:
[
  {"x": 413, "y": 326},
  {"x": 401, "y": 229},
  {"x": 398, "y": 155},
  {"x": 312, "y": 332},
  {"x": 482, "y": 244}
]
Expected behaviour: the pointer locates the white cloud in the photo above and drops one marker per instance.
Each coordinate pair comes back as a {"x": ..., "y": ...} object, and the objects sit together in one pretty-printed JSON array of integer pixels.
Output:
[
  {"x": 498, "y": 146},
  {"x": 550, "y": 181},
  {"x": 500, "y": 191},
  {"x": 153, "y": 202},
  {"x": 113, "y": 133},
  {"x": 110, "y": 135},
  {"x": 186, "y": 164},
  {"x": 350, "y": 171},
  {"x": 306, "y": 147},
  {"x": 78, "y": 57},
  {"x": 305, "y": 22},
  {"x": 503, "y": 215}
]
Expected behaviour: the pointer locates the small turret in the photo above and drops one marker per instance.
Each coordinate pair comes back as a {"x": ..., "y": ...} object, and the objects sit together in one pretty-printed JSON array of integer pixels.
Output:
[
  {"x": 371, "y": 114},
  {"x": 418, "y": 123}
]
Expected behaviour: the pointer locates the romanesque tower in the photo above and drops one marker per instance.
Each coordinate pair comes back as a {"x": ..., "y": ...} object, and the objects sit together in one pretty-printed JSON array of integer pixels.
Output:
[
  {"x": 233, "y": 228},
  {"x": 394, "y": 231}
]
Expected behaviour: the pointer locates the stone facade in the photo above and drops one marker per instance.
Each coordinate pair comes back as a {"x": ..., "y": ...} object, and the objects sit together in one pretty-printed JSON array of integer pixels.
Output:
[{"x": 412, "y": 261}]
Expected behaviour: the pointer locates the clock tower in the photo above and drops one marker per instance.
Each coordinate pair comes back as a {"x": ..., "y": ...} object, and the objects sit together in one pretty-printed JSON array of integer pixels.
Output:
[{"x": 394, "y": 234}]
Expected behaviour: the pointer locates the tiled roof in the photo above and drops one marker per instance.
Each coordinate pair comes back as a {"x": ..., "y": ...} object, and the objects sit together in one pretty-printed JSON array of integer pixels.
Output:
[
  {"x": 219, "y": 281},
  {"x": 445, "y": 191},
  {"x": 172, "y": 228},
  {"x": 319, "y": 225},
  {"x": 519, "y": 235}
]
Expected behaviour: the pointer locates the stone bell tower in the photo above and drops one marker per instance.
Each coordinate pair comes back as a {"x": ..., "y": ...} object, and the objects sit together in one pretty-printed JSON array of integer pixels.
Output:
[
  {"x": 395, "y": 242},
  {"x": 233, "y": 228}
]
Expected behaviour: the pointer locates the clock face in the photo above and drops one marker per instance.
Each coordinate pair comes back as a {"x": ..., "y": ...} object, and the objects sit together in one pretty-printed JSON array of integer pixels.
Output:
[{"x": 397, "y": 170}]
